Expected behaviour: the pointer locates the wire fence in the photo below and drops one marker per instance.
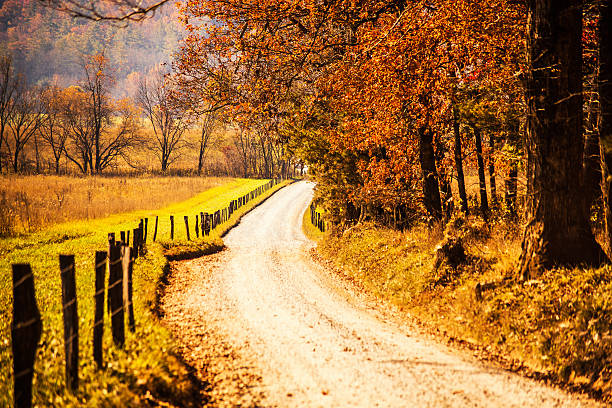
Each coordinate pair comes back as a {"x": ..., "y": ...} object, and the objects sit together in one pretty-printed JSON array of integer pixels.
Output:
[{"x": 114, "y": 268}]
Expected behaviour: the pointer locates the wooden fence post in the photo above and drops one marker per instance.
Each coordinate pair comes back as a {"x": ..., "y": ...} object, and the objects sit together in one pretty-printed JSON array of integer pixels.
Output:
[
  {"x": 115, "y": 295},
  {"x": 26, "y": 329},
  {"x": 197, "y": 227},
  {"x": 126, "y": 254},
  {"x": 155, "y": 233},
  {"x": 138, "y": 246},
  {"x": 127, "y": 285},
  {"x": 71, "y": 320},
  {"x": 140, "y": 232},
  {"x": 98, "y": 328},
  {"x": 206, "y": 223},
  {"x": 186, "y": 218},
  {"x": 124, "y": 251},
  {"x": 122, "y": 234},
  {"x": 172, "y": 227},
  {"x": 202, "y": 223},
  {"x": 146, "y": 230}
]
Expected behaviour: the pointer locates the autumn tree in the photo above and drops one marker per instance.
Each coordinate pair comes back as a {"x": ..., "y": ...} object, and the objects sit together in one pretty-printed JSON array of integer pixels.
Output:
[
  {"x": 100, "y": 129},
  {"x": 10, "y": 83},
  {"x": 24, "y": 121},
  {"x": 77, "y": 125},
  {"x": 209, "y": 122},
  {"x": 52, "y": 129},
  {"x": 97, "y": 84},
  {"x": 168, "y": 121},
  {"x": 558, "y": 230}
]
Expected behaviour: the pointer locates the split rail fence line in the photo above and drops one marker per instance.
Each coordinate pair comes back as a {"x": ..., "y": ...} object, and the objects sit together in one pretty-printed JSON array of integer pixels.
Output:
[{"x": 117, "y": 262}]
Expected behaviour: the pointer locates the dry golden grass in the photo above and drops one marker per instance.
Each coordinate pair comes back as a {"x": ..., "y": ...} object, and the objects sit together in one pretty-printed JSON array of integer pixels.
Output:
[
  {"x": 558, "y": 325},
  {"x": 146, "y": 371},
  {"x": 29, "y": 203}
]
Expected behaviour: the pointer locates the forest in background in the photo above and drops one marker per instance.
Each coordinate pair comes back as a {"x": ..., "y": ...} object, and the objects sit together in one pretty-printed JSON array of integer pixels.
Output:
[
  {"x": 85, "y": 97},
  {"x": 48, "y": 46}
]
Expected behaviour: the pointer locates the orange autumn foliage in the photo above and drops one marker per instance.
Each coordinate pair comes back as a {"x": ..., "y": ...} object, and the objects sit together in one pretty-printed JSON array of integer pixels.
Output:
[{"x": 386, "y": 71}]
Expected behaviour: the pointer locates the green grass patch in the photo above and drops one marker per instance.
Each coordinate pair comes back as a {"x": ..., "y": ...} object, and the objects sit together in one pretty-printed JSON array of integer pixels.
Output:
[
  {"x": 309, "y": 229},
  {"x": 148, "y": 370},
  {"x": 557, "y": 327}
]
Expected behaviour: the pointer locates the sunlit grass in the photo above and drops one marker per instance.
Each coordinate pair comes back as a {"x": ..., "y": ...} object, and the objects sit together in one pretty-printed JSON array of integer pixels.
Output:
[
  {"x": 309, "y": 229},
  {"x": 29, "y": 203},
  {"x": 146, "y": 368},
  {"x": 559, "y": 324}
]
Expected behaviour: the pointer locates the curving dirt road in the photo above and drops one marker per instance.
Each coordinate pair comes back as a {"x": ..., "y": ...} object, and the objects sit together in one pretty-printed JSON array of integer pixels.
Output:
[{"x": 265, "y": 325}]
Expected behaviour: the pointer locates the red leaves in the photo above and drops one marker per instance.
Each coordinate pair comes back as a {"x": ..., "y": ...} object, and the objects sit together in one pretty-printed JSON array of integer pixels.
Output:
[{"x": 383, "y": 69}]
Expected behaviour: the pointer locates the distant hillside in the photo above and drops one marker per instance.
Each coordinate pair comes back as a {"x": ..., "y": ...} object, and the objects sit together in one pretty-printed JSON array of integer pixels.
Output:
[{"x": 48, "y": 46}]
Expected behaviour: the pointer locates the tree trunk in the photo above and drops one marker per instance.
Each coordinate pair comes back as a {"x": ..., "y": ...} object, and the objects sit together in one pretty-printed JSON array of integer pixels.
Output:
[
  {"x": 482, "y": 182},
  {"x": 459, "y": 162},
  {"x": 431, "y": 191},
  {"x": 447, "y": 194},
  {"x": 511, "y": 189},
  {"x": 16, "y": 158},
  {"x": 200, "y": 160},
  {"x": 444, "y": 180},
  {"x": 592, "y": 167},
  {"x": 591, "y": 160},
  {"x": 2, "y": 126},
  {"x": 558, "y": 230},
  {"x": 37, "y": 154},
  {"x": 605, "y": 104},
  {"x": 492, "y": 173}
]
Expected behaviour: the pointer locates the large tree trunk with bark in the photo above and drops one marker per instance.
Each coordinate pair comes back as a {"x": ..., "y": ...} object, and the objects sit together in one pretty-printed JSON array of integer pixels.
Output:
[
  {"x": 592, "y": 167},
  {"x": 558, "y": 230},
  {"x": 482, "y": 182},
  {"x": 431, "y": 191},
  {"x": 605, "y": 104},
  {"x": 591, "y": 160}
]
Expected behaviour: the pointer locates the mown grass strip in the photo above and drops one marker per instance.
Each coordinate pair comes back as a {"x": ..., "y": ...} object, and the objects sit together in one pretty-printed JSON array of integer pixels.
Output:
[
  {"x": 309, "y": 229},
  {"x": 147, "y": 370}
]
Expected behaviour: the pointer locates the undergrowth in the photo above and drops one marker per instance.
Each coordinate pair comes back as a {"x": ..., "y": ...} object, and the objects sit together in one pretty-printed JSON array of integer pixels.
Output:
[
  {"x": 558, "y": 327},
  {"x": 148, "y": 371}
]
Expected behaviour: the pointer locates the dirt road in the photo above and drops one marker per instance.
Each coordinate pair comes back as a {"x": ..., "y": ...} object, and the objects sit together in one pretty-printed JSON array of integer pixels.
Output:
[{"x": 267, "y": 326}]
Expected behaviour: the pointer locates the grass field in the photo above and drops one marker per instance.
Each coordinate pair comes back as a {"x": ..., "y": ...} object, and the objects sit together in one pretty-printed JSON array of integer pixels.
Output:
[
  {"x": 29, "y": 203},
  {"x": 146, "y": 371}
]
